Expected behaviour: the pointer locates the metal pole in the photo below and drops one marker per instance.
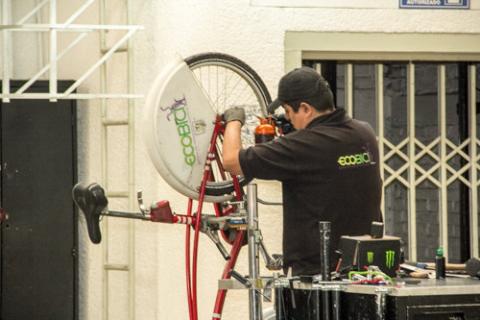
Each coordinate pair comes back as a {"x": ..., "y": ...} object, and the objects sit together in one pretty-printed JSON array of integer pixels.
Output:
[
  {"x": 255, "y": 303},
  {"x": 324, "y": 228},
  {"x": 32, "y": 13},
  {"x": 442, "y": 128},
  {"x": 472, "y": 113},
  {"x": 53, "y": 51},
  {"x": 79, "y": 12},
  {"x": 104, "y": 171},
  {"x": 336, "y": 304},
  {"x": 6, "y": 49},
  {"x": 379, "y": 94},
  {"x": 412, "y": 196},
  {"x": 47, "y": 67},
  {"x": 279, "y": 303},
  {"x": 104, "y": 58},
  {"x": 131, "y": 165},
  {"x": 349, "y": 88},
  {"x": 381, "y": 301}
]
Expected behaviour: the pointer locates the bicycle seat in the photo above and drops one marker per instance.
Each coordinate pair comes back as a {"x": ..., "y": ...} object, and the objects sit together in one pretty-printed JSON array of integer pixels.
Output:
[{"x": 92, "y": 202}]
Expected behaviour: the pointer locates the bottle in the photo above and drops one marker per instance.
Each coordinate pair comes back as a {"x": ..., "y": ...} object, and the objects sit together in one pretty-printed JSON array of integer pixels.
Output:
[
  {"x": 264, "y": 132},
  {"x": 440, "y": 264}
]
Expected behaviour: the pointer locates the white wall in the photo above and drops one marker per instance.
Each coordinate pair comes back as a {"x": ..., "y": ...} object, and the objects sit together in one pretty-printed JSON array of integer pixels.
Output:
[{"x": 254, "y": 34}]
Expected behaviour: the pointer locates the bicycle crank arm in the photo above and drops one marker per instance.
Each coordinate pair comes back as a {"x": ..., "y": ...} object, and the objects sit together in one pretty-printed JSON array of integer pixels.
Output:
[
  {"x": 272, "y": 263},
  {"x": 213, "y": 235}
]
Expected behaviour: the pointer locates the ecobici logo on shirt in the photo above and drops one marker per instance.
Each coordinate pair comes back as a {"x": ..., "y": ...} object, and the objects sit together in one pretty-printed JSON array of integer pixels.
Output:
[{"x": 352, "y": 160}]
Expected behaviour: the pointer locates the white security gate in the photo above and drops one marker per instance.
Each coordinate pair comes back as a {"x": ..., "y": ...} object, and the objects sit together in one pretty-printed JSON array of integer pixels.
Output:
[
  {"x": 428, "y": 146},
  {"x": 420, "y": 92}
]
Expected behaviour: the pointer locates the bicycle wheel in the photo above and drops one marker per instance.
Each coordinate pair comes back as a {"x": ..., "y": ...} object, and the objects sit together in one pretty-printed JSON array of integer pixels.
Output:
[
  {"x": 179, "y": 115},
  {"x": 229, "y": 82}
]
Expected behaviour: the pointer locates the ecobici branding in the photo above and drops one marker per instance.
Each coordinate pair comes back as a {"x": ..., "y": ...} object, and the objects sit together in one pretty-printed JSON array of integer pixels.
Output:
[
  {"x": 354, "y": 159},
  {"x": 183, "y": 129}
]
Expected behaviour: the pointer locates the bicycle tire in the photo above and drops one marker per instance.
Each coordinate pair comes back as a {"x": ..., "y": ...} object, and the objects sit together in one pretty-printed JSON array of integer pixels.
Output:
[
  {"x": 213, "y": 58},
  {"x": 233, "y": 66}
]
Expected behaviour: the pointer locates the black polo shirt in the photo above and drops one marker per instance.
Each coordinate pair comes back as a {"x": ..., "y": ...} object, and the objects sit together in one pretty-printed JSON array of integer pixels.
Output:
[{"x": 329, "y": 172}]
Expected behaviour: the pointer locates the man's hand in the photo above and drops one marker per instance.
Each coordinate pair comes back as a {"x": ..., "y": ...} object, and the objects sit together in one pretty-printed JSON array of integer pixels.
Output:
[{"x": 234, "y": 114}]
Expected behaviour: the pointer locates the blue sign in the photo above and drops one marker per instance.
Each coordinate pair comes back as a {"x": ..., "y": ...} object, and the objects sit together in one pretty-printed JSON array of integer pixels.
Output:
[{"x": 435, "y": 4}]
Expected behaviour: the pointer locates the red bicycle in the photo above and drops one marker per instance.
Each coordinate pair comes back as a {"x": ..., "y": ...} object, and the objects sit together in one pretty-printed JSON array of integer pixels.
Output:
[{"x": 184, "y": 137}]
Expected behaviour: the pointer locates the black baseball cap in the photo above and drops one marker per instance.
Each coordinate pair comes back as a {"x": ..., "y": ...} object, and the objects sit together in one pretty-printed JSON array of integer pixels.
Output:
[{"x": 298, "y": 84}]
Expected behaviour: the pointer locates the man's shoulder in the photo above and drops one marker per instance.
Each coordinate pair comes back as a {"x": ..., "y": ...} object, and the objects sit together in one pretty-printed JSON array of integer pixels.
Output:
[
  {"x": 364, "y": 126},
  {"x": 361, "y": 123}
]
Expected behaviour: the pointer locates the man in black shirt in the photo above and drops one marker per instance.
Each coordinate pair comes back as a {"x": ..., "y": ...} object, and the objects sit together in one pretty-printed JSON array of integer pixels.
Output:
[{"x": 328, "y": 168}]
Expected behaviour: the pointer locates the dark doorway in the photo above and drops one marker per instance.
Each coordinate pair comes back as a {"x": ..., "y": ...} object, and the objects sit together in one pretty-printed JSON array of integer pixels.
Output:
[{"x": 39, "y": 240}]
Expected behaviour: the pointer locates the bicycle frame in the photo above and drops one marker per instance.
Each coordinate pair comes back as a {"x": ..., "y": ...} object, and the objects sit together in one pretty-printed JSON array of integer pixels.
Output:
[
  {"x": 191, "y": 271},
  {"x": 167, "y": 107}
]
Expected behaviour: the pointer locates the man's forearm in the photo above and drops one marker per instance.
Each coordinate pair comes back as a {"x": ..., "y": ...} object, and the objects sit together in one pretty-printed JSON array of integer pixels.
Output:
[{"x": 232, "y": 144}]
